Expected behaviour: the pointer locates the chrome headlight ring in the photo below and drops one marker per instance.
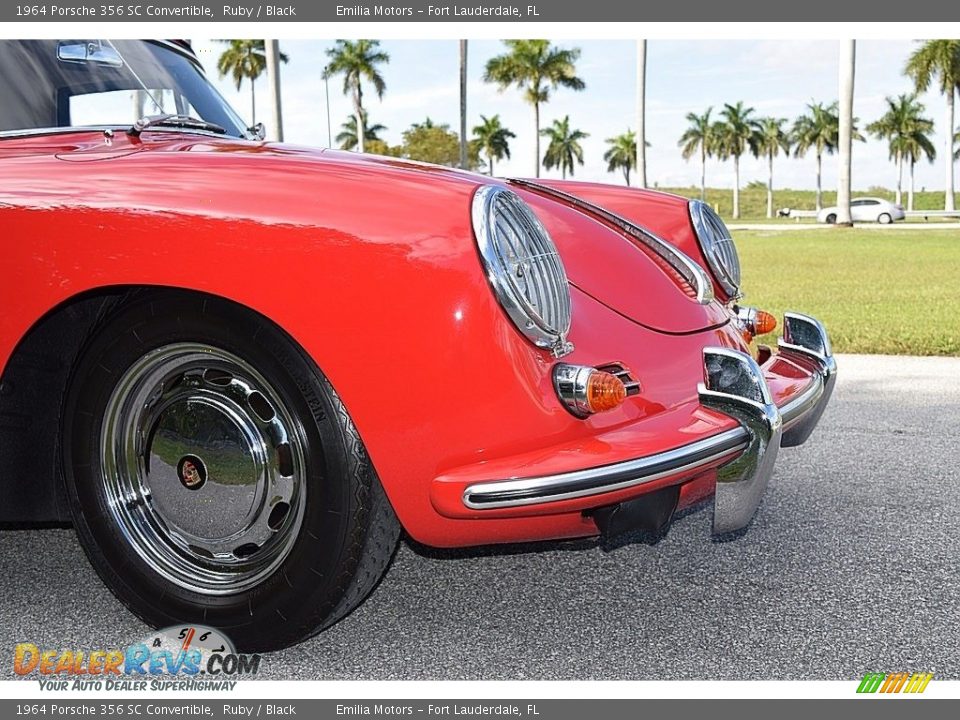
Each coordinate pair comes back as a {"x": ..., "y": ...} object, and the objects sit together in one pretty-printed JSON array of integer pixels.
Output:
[
  {"x": 718, "y": 247},
  {"x": 523, "y": 267}
]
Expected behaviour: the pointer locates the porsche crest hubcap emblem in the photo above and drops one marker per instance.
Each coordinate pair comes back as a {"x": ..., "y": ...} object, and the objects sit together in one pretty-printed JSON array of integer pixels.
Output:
[{"x": 192, "y": 472}]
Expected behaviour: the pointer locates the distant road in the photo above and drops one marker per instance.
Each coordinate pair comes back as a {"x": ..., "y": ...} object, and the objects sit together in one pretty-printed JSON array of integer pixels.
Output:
[{"x": 787, "y": 227}]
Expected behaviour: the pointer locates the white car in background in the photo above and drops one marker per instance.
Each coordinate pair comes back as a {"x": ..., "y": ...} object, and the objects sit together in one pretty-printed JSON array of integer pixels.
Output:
[{"x": 865, "y": 209}]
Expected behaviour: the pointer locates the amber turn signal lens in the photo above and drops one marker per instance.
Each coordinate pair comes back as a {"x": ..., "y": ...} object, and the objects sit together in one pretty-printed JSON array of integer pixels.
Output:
[
  {"x": 604, "y": 391},
  {"x": 764, "y": 323}
]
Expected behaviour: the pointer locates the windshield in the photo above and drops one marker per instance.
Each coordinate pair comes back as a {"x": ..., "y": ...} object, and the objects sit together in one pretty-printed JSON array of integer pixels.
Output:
[{"x": 83, "y": 83}]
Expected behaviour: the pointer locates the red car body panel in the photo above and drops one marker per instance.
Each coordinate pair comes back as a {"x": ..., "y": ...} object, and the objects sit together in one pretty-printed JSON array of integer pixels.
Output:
[{"x": 370, "y": 265}]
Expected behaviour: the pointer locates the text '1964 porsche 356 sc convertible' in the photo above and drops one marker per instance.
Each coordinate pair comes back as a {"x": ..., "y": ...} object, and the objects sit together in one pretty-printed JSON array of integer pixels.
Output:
[{"x": 240, "y": 368}]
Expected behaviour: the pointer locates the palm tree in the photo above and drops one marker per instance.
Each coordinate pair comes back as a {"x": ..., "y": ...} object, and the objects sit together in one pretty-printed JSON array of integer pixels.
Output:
[
  {"x": 463, "y": 104},
  {"x": 427, "y": 124},
  {"x": 273, "y": 77},
  {"x": 737, "y": 133},
  {"x": 622, "y": 154},
  {"x": 564, "y": 146},
  {"x": 820, "y": 129},
  {"x": 357, "y": 60},
  {"x": 940, "y": 60},
  {"x": 347, "y": 138},
  {"x": 845, "y": 130},
  {"x": 535, "y": 67},
  {"x": 916, "y": 146},
  {"x": 640, "y": 149},
  {"x": 898, "y": 125},
  {"x": 245, "y": 59},
  {"x": 698, "y": 137},
  {"x": 771, "y": 139},
  {"x": 493, "y": 139}
]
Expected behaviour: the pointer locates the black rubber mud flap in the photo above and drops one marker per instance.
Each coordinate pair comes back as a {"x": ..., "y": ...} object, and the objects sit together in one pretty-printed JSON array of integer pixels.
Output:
[{"x": 650, "y": 513}]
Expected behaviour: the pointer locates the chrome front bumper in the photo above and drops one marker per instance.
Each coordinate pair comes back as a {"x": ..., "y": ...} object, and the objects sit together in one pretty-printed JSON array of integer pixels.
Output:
[{"x": 734, "y": 385}]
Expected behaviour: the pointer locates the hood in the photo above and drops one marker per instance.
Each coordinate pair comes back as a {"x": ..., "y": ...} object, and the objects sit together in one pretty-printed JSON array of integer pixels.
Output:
[
  {"x": 601, "y": 261},
  {"x": 620, "y": 271}
]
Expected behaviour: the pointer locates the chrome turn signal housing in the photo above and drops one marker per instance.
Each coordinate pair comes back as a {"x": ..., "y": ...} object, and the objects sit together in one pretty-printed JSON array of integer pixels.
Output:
[
  {"x": 586, "y": 390},
  {"x": 756, "y": 321}
]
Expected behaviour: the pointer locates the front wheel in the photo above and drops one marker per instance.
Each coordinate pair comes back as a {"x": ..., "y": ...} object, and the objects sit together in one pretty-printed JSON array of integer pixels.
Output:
[
  {"x": 215, "y": 477},
  {"x": 885, "y": 219},
  {"x": 831, "y": 219}
]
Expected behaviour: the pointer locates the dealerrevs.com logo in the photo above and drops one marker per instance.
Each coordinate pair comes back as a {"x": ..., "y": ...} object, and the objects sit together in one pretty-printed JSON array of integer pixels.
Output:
[
  {"x": 183, "y": 657},
  {"x": 901, "y": 682}
]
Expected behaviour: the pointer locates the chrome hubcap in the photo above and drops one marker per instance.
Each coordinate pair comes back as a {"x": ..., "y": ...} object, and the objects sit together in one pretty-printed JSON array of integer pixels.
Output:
[{"x": 203, "y": 468}]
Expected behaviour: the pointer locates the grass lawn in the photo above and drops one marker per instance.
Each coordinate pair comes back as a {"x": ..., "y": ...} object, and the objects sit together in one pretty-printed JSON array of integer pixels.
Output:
[{"x": 891, "y": 292}]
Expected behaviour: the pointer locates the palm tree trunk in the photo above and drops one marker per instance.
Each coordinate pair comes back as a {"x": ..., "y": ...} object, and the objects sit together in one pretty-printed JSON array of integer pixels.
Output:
[
  {"x": 463, "y": 104},
  {"x": 899, "y": 197},
  {"x": 253, "y": 102},
  {"x": 819, "y": 187},
  {"x": 948, "y": 198},
  {"x": 490, "y": 157},
  {"x": 358, "y": 114},
  {"x": 326, "y": 92},
  {"x": 703, "y": 172},
  {"x": 770, "y": 184},
  {"x": 641, "y": 113},
  {"x": 361, "y": 130},
  {"x": 910, "y": 192},
  {"x": 139, "y": 101},
  {"x": 626, "y": 174},
  {"x": 273, "y": 77},
  {"x": 848, "y": 59},
  {"x": 736, "y": 187},
  {"x": 536, "y": 139}
]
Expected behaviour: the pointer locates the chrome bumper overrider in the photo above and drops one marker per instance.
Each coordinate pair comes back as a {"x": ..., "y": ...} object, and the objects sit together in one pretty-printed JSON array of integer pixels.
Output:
[
  {"x": 805, "y": 339},
  {"x": 734, "y": 385}
]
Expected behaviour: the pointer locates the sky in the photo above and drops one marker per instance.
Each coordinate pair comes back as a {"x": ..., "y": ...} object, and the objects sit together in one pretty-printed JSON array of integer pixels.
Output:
[{"x": 776, "y": 77}]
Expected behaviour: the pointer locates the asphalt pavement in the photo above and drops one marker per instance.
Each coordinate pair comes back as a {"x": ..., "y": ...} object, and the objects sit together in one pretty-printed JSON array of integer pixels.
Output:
[{"x": 852, "y": 565}]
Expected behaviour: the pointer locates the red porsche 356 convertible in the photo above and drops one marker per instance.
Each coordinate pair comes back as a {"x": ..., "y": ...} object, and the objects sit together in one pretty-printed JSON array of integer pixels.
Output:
[{"x": 240, "y": 368}]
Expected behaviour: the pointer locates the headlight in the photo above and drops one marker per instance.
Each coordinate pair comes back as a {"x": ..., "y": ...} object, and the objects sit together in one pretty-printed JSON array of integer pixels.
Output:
[
  {"x": 523, "y": 267},
  {"x": 718, "y": 247}
]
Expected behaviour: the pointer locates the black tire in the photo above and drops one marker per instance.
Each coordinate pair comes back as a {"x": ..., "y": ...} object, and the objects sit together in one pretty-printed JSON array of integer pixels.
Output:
[
  {"x": 884, "y": 219},
  {"x": 831, "y": 219},
  {"x": 348, "y": 532}
]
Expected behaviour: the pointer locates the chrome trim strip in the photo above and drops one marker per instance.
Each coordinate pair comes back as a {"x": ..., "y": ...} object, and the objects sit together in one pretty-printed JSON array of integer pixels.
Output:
[
  {"x": 803, "y": 403},
  {"x": 679, "y": 261},
  {"x": 735, "y": 386},
  {"x": 605, "y": 479},
  {"x": 37, "y": 132}
]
